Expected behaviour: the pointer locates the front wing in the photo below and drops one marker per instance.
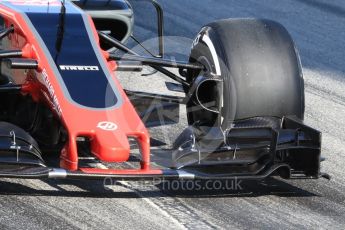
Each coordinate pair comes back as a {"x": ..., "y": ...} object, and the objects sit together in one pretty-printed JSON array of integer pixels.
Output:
[{"x": 253, "y": 149}]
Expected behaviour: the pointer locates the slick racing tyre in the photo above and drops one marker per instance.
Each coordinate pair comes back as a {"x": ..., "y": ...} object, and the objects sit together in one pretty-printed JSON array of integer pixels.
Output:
[{"x": 258, "y": 65}]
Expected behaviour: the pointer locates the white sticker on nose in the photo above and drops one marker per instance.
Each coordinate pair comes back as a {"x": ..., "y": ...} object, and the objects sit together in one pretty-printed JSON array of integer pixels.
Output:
[{"x": 107, "y": 126}]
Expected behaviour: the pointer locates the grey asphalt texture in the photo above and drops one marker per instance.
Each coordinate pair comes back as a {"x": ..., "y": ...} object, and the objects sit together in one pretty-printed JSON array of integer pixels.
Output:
[{"x": 318, "y": 28}]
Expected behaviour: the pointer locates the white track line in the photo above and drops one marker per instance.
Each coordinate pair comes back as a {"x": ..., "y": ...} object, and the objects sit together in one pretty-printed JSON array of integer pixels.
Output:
[{"x": 172, "y": 208}]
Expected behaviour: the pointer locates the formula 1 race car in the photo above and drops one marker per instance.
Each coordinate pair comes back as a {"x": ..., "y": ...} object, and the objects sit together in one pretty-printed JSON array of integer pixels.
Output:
[{"x": 243, "y": 87}]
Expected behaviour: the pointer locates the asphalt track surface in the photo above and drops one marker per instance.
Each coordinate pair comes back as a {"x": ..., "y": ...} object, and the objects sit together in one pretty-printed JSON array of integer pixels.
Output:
[{"x": 318, "y": 29}]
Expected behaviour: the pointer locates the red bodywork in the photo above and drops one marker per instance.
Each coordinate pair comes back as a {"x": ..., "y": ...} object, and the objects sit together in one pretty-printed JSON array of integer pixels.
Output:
[{"x": 42, "y": 85}]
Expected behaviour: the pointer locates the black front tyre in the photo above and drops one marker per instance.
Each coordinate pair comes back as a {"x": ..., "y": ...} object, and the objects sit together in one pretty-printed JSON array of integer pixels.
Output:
[{"x": 260, "y": 69}]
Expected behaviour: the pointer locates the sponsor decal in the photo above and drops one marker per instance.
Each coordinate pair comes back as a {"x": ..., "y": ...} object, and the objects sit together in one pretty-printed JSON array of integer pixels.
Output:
[
  {"x": 51, "y": 91},
  {"x": 79, "y": 68},
  {"x": 107, "y": 126},
  {"x": 36, "y": 2}
]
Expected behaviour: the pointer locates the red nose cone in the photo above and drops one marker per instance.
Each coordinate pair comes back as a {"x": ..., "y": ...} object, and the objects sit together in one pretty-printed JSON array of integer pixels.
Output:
[{"x": 110, "y": 145}]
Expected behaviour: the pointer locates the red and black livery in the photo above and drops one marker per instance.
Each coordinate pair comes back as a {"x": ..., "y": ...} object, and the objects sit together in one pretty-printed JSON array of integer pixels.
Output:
[{"x": 59, "y": 91}]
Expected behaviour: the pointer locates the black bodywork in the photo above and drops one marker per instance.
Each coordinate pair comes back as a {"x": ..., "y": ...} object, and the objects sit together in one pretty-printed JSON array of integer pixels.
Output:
[{"x": 114, "y": 16}]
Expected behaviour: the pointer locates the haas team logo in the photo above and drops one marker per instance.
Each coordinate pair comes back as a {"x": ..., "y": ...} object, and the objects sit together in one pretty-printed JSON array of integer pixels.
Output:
[{"x": 107, "y": 126}]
